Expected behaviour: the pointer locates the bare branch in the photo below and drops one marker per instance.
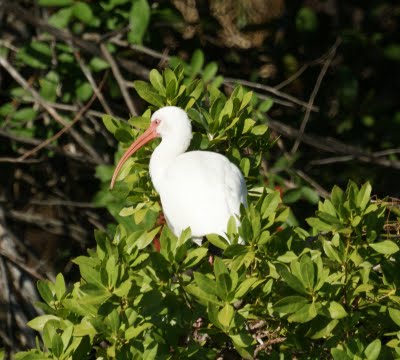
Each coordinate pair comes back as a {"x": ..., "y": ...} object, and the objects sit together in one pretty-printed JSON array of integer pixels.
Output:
[
  {"x": 78, "y": 138},
  {"x": 64, "y": 129},
  {"x": 314, "y": 93},
  {"x": 120, "y": 80},
  {"x": 332, "y": 146},
  {"x": 271, "y": 90},
  {"x": 88, "y": 74}
]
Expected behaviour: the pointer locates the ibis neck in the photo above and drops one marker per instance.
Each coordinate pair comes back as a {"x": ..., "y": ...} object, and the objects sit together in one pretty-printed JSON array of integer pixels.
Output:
[{"x": 162, "y": 157}]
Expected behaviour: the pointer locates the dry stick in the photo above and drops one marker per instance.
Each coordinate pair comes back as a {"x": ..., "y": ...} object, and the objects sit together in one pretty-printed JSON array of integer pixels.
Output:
[
  {"x": 7, "y": 297},
  {"x": 274, "y": 98},
  {"x": 119, "y": 79},
  {"x": 62, "y": 131},
  {"x": 31, "y": 141},
  {"x": 292, "y": 77},
  {"x": 321, "y": 75},
  {"x": 52, "y": 226},
  {"x": 89, "y": 77},
  {"x": 332, "y": 145},
  {"x": 273, "y": 91},
  {"x": 300, "y": 71},
  {"x": 16, "y": 160},
  {"x": 321, "y": 191},
  {"x": 19, "y": 79},
  {"x": 21, "y": 265},
  {"x": 345, "y": 158}
]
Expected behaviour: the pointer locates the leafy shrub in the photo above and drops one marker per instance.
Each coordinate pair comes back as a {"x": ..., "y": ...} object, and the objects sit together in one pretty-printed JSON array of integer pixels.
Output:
[{"x": 326, "y": 291}]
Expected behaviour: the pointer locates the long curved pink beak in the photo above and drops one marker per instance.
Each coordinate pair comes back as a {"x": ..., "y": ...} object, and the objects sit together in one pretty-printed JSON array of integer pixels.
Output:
[{"x": 142, "y": 140}]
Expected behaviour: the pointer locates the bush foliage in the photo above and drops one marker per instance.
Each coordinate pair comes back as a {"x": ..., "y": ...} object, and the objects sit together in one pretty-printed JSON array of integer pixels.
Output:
[{"x": 328, "y": 290}]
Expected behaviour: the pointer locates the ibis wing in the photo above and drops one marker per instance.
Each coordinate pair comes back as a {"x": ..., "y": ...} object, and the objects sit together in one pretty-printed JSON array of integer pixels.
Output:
[{"x": 235, "y": 188}]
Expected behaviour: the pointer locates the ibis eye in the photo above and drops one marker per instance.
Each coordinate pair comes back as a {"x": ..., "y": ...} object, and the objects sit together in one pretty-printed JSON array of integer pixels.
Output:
[{"x": 157, "y": 121}]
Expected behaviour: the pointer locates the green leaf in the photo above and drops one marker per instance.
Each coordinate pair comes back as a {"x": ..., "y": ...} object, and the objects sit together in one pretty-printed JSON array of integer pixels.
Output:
[
  {"x": 364, "y": 196},
  {"x": 224, "y": 282},
  {"x": 147, "y": 237},
  {"x": 98, "y": 64},
  {"x": 157, "y": 81},
  {"x": 61, "y": 18},
  {"x": 139, "y": 122},
  {"x": 266, "y": 105},
  {"x": 336, "y": 310},
  {"x": 134, "y": 332},
  {"x": 259, "y": 130},
  {"x": 110, "y": 123},
  {"x": 392, "y": 52},
  {"x": 90, "y": 275},
  {"x": 395, "y": 315},
  {"x": 147, "y": 93},
  {"x": 79, "y": 308},
  {"x": 330, "y": 251},
  {"x": 39, "y": 322},
  {"x": 291, "y": 280},
  {"x": 37, "y": 55},
  {"x": 242, "y": 340},
  {"x": 339, "y": 354},
  {"x": 225, "y": 316},
  {"x": 45, "y": 291},
  {"x": 373, "y": 350},
  {"x": 310, "y": 195},
  {"x": 57, "y": 345},
  {"x": 48, "y": 86},
  {"x": 210, "y": 71},
  {"x": 67, "y": 335},
  {"x": 244, "y": 287},
  {"x": 197, "y": 61},
  {"x": 292, "y": 195},
  {"x": 25, "y": 114},
  {"x": 304, "y": 314},
  {"x": 139, "y": 18},
  {"x": 218, "y": 241},
  {"x": 123, "y": 135},
  {"x": 194, "y": 257},
  {"x": 317, "y": 224},
  {"x": 290, "y": 304},
  {"x": 205, "y": 284},
  {"x": 326, "y": 329},
  {"x": 84, "y": 91},
  {"x": 55, "y": 2},
  {"x": 203, "y": 296},
  {"x": 60, "y": 286},
  {"x": 386, "y": 247},
  {"x": 82, "y": 12},
  {"x": 270, "y": 204}
]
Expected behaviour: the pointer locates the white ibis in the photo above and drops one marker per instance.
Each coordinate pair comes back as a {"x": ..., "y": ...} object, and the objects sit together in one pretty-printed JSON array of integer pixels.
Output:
[{"x": 198, "y": 189}]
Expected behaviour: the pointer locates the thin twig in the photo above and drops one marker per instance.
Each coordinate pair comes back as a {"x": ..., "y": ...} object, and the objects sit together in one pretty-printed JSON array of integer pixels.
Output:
[
  {"x": 314, "y": 93},
  {"x": 21, "y": 265},
  {"x": 120, "y": 80},
  {"x": 332, "y": 145},
  {"x": 292, "y": 77},
  {"x": 16, "y": 160},
  {"x": 34, "y": 142},
  {"x": 51, "y": 225},
  {"x": 139, "y": 48},
  {"x": 62, "y": 131},
  {"x": 320, "y": 190},
  {"x": 17, "y": 77},
  {"x": 273, "y": 91},
  {"x": 88, "y": 74},
  {"x": 6, "y": 296}
]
